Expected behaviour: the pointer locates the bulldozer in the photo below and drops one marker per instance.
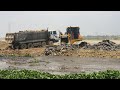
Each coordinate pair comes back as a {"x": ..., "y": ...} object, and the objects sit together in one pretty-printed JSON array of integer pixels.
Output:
[{"x": 71, "y": 36}]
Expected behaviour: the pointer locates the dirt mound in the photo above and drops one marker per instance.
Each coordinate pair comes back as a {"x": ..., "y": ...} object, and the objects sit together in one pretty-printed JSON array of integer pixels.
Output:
[
  {"x": 104, "y": 49},
  {"x": 3, "y": 45},
  {"x": 104, "y": 45},
  {"x": 58, "y": 50},
  {"x": 82, "y": 53}
]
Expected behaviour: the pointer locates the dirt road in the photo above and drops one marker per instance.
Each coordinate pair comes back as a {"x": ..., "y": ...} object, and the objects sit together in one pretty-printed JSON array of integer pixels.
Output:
[{"x": 60, "y": 65}]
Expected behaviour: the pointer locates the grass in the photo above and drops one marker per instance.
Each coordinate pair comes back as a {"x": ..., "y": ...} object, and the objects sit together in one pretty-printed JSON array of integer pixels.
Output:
[{"x": 30, "y": 74}]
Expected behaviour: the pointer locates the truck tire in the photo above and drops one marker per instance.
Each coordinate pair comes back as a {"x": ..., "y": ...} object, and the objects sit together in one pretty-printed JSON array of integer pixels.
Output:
[
  {"x": 23, "y": 46},
  {"x": 30, "y": 45},
  {"x": 43, "y": 44},
  {"x": 39, "y": 44},
  {"x": 50, "y": 42},
  {"x": 16, "y": 47}
]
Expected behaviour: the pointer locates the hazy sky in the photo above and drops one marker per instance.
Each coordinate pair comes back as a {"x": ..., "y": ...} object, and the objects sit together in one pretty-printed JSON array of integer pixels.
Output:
[{"x": 90, "y": 22}]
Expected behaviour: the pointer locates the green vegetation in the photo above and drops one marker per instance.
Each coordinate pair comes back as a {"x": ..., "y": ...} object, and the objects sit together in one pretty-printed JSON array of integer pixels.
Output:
[{"x": 30, "y": 74}]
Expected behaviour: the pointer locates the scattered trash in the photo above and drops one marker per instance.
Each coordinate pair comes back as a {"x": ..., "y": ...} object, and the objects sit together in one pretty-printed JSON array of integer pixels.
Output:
[{"x": 104, "y": 45}]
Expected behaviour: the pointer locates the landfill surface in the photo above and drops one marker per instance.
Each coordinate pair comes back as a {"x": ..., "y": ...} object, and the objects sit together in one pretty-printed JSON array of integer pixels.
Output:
[{"x": 62, "y": 59}]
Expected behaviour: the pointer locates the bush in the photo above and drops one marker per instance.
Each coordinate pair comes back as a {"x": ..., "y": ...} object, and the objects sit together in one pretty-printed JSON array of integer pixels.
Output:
[{"x": 30, "y": 74}]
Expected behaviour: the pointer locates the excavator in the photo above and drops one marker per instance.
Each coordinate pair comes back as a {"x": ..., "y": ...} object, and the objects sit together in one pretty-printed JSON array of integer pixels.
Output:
[{"x": 71, "y": 36}]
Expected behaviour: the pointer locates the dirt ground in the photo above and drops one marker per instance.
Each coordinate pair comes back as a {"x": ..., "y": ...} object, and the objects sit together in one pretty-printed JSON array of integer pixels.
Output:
[
  {"x": 60, "y": 65},
  {"x": 23, "y": 52},
  {"x": 74, "y": 61},
  {"x": 77, "y": 52}
]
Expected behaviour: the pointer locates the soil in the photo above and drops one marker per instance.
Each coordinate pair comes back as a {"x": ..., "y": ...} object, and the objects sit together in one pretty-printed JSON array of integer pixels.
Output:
[
  {"x": 60, "y": 65},
  {"x": 74, "y": 61}
]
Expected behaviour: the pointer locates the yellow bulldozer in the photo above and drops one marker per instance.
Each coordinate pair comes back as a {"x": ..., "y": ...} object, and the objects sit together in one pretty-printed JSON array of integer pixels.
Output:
[{"x": 71, "y": 36}]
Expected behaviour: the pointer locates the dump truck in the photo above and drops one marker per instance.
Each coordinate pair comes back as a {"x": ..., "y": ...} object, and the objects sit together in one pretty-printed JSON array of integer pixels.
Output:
[
  {"x": 29, "y": 39},
  {"x": 71, "y": 35}
]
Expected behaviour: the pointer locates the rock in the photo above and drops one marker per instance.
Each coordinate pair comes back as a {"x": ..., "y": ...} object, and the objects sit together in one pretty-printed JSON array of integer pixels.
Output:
[
  {"x": 54, "y": 54},
  {"x": 66, "y": 49},
  {"x": 63, "y": 51},
  {"x": 104, "y": 45}
]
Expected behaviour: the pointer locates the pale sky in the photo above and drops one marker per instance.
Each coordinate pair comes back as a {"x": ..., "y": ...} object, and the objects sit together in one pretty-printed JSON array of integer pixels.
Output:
[{"x": 90, "y": 22}]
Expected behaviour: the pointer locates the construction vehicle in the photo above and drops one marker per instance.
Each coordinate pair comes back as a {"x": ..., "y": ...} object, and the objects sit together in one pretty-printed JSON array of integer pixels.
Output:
[
  {"x": 29, "y": 39},
  {"x": 53, "y": 35},
  {"x": 71, "y": 35}
]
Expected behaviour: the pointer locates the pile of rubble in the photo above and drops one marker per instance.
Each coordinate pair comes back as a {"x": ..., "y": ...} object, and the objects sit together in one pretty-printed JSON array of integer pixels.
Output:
[
  {"x": 70, "y": 49},
  {"x": 58, "y": 50},
  {"x": 104, "y": 45}
]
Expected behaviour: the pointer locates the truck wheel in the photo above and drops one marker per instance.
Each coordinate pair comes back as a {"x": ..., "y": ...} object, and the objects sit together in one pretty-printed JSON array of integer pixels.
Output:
[
  {"x": 50, "y": 42},
  {"x": 23, "y": 46},
  {"x": 43, "y": 44},
  {"x": 30, "y": 45},
  {"x": 16, "y": 47},
  {"x": 39, "y": 44}
]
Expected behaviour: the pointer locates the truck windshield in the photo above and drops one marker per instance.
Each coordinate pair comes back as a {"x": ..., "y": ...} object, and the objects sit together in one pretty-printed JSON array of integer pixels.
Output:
[{"x": 54, "y": 32}]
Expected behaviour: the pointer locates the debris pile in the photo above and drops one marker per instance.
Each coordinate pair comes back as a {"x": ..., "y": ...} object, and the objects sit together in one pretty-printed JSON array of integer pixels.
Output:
[
  {"x": 104, "y": 45},
  {"x": 58, "y": 50},
  {"x": 71, "y": 49}
]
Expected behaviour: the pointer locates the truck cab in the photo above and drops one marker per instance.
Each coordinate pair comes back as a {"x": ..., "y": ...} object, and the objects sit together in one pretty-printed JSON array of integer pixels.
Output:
[{"x": 53, "y": 35}]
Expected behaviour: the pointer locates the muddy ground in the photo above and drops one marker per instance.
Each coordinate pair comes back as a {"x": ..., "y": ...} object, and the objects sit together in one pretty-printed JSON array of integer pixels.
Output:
[{"x": 60, "y": 65}]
